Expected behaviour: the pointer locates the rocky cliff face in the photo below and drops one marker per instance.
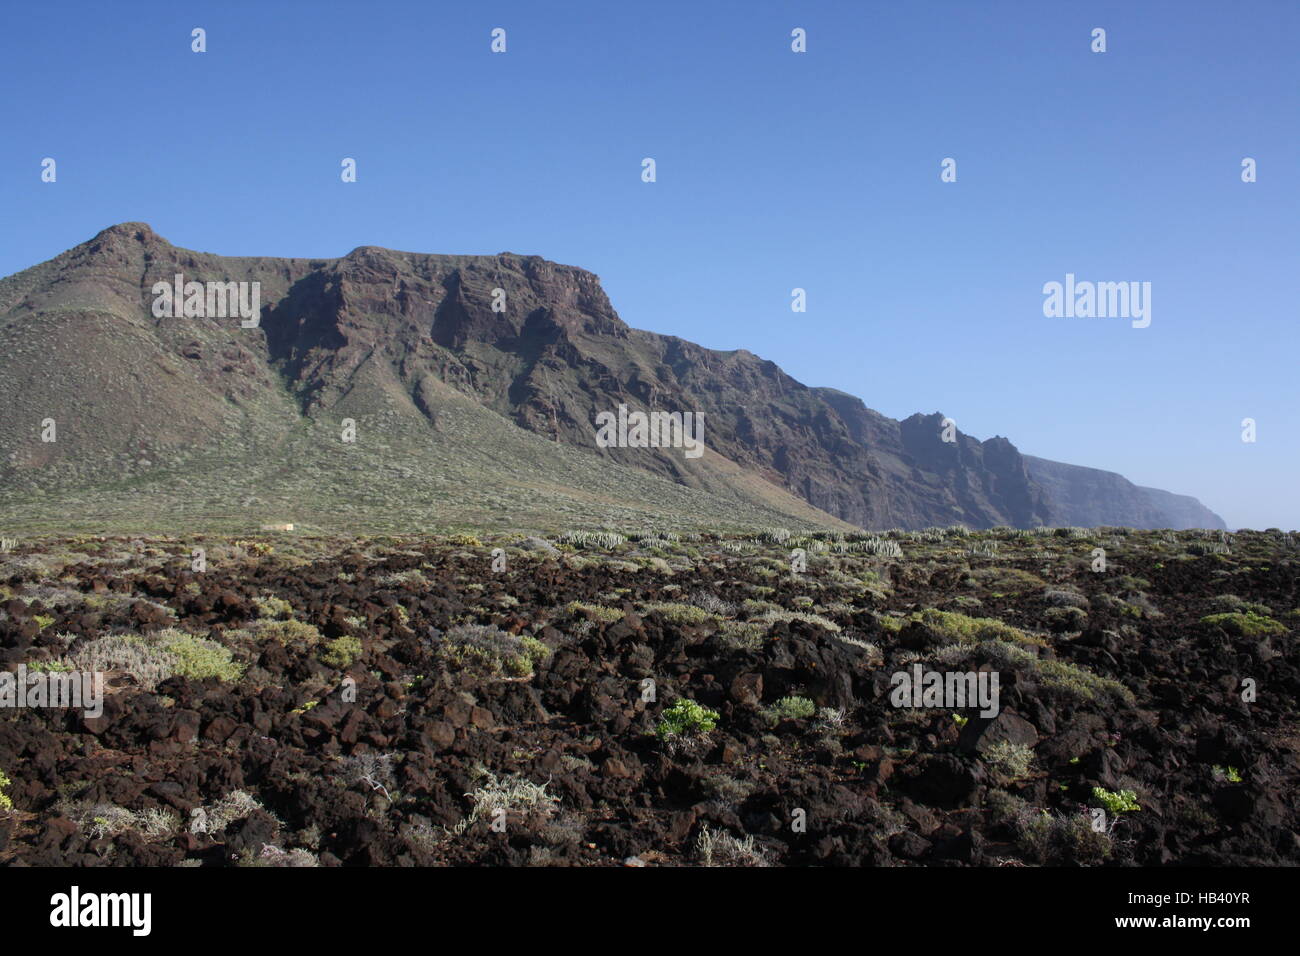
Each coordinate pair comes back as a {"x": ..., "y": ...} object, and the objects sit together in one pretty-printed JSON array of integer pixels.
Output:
[
  {"x": 1181, "y": 511},
  {"x": 1087, "y": 497},
  {"x": 400, "y": 340}
]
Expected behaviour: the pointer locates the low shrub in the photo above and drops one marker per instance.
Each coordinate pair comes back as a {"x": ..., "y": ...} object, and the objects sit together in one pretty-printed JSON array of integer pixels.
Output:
[
  {"x": 154, "y": 658},
  {"x": 685, "y": 718},
  {"x": 271, "y": 607},
  {"x": 680, "y": 615},
  {"x": 595, "y": 612},
  {"x": 1249, "y": 624},
  {"x": 341, "y": 652},
  {"x": 719, "y": 848},
  {"x": 1009, "y": 762},
  {"x": 491, "y": 652},
  {"x": 964, "y": 629},
  {"x": 198, "y": 658},
  {"x": 792, "y": 708},
  {"x": 1123, "y": 801},
  {"x": 297, "y": 635},
  {"x": 1061, "y": 839}
]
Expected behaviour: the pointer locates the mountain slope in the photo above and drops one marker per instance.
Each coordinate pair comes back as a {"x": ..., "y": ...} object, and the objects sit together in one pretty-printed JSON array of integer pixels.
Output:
[{"x": 474, "y": 383}]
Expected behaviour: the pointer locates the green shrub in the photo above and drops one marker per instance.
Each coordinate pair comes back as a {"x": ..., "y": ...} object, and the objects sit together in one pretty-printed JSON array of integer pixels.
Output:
[
  {"x": 294, "y": 634},
  {"x": 680, "y": 615},
  {"x": 1249, "y": 624},
  {"x": 1060, "y": 839},
  {"x": 1009, "y": 762},
  {"x": 270, "y": 606},
  {"x": 1061, "y": 677},
  {"x": 750, "y": 608},
  {"x": 198, "y": 657},
  {"x": 49, "y": 667},
  {"x": 341, "y": 652},
  {"x": 492, "y": 652},
  {"x": 963, "y": 629},
  {"x": 5, "y": 802},
  {"x": 744, "y": 635},
  {"x": 412, "y": 577},
  {"x": 1116, "y": 803},
  {"x": 151, "y": 659},
  {"x": 792, "y": 708},
  {"x": 1080, "y": 683},
  {"x": 685, "y": 718},
  {"x": 535, "y": 650},
  {"x": 595, "y": 612}
]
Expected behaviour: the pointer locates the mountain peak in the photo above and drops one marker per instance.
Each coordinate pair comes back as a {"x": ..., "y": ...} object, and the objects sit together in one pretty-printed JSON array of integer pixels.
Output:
[
  {"x": 139, "y": 231},
  {"x": 364, "y": 251}
]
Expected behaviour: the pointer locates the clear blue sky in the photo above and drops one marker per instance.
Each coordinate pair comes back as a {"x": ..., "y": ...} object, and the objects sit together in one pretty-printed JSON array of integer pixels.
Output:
[{"x": 775, "y": 171}]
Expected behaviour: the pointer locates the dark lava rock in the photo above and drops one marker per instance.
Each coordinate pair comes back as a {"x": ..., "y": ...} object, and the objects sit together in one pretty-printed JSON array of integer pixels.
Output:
[
  {"x": 946, "y": 781},
  {"x": 251, "y": 834},
  {"x": 909, "y": 845},
  {"x": 981, "y": 733}
]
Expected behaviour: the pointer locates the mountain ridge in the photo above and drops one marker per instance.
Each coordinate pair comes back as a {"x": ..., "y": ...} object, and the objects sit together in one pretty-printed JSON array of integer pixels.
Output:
[{"x": 396, "y": 339}]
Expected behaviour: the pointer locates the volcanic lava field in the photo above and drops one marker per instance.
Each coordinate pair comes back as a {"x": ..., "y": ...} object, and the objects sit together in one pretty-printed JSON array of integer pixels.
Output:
[{"x": 654, "y": 699}]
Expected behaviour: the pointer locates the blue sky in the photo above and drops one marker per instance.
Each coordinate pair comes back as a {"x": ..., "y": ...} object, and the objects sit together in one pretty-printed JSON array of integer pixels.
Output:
[{"x": 775, "y": 170}]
